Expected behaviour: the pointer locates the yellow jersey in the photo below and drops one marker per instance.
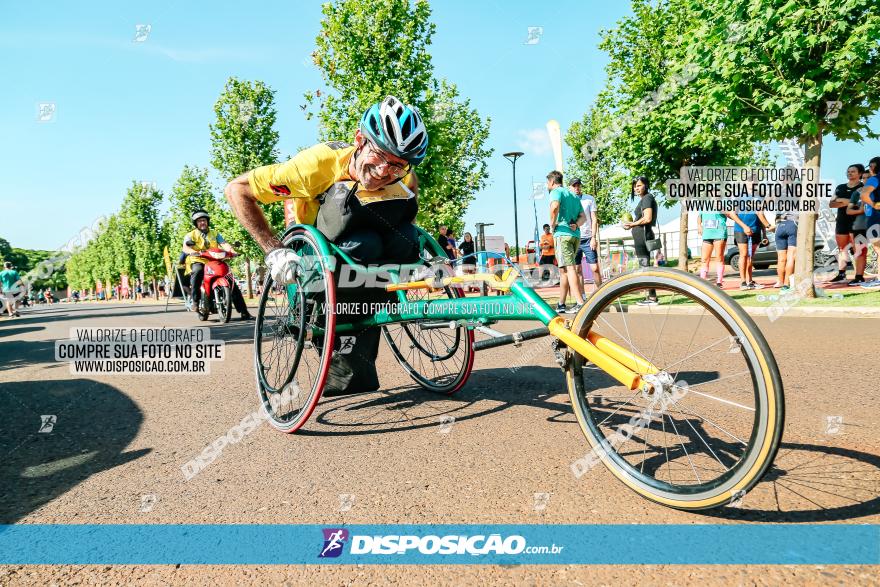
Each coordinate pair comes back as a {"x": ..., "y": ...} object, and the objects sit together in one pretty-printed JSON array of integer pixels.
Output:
[{"x": 312, "y": 173}]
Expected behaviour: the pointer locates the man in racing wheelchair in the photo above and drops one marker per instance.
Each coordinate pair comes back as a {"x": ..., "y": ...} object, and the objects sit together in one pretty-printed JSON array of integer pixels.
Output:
[{"x": 362, "y": 197}]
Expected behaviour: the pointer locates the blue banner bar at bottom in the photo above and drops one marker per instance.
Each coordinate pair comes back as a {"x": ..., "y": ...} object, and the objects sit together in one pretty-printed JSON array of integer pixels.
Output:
[{"x": 733, "y": 544}]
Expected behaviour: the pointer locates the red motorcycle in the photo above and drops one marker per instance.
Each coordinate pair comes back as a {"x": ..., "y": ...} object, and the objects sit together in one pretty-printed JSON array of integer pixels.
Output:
[{"x": 217, "y": 285}]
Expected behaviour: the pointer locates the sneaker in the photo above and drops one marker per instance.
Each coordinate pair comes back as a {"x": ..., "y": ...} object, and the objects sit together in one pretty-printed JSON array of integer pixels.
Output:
[
  {"x": 838, "y": 277},
  {"x": 574, "y": 309},
  {"x": 870, "y": 284},
  {"x": 776, "y": 285},
  {"x": 754, "y": 285},
  {"x": 648, "y": 302},
  {"x": 858, "y": 279},
  {"x": 720, "y": 284},
  {"x": 784, "y": 289},
  {"x": 560, "y": 309},
  {"x": 744, "y": 286},
  {"x": 246, "y": 316}
]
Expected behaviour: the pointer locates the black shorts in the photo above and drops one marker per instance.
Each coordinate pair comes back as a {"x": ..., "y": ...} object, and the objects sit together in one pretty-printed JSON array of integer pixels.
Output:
[
  {"x": 843, "y": 228},
  {"x": 712, "y": 241},
  {"x": 742, "y": 238}
]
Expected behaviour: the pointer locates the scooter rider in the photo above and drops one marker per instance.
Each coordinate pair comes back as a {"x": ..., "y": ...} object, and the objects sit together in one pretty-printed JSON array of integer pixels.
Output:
[{"x": 199, "y": 240}]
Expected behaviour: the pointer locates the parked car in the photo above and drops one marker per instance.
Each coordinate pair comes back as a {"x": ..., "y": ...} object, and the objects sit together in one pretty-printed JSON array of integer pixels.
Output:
[{"x": 765, "y": 257}]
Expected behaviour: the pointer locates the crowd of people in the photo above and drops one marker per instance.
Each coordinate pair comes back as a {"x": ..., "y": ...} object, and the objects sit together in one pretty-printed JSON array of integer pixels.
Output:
[{"x": 570, "y": 238}]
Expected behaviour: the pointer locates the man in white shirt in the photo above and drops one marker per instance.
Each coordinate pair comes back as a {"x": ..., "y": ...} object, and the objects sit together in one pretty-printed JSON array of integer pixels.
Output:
[{"x": 589, "y": 231}]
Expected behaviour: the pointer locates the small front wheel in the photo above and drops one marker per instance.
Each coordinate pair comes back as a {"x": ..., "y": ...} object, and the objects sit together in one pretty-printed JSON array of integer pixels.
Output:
[
  {"x": 709, "y": 424},
  {"x": 223, "y": 301}
]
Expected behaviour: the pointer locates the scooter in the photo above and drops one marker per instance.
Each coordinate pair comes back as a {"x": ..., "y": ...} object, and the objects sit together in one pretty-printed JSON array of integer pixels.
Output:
[{"x": 217, "y": 285}]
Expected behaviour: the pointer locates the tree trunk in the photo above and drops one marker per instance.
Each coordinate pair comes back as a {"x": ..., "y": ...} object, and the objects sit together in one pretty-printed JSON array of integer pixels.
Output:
[
  {"x": 683, "y": 239},
  {"x": 155, "y": 288},
  {"x": 803, "y": 265},
  {"x": 247, "y": 274}
]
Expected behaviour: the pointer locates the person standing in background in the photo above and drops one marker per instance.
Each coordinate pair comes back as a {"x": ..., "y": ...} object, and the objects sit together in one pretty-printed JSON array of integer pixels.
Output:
[
  {"x": 548, "y": 253},
  {"x": 870, "y": 198},
  {"x": 645, "y": 218},
  {"x": 712, "y": 227},
  {"x": 11, "y": 288},
  {"x": 747, "y": 228},
  {"x": 843, "y": 224},
  {"x": 443, "y": 241},
  {"x": 566, "y": 216},
  {"x": 467, "y": 249},
  {"x": 589, "y": 232},
  {"x": 856, "y": 211},
  {"x": 451, "y": 244}
]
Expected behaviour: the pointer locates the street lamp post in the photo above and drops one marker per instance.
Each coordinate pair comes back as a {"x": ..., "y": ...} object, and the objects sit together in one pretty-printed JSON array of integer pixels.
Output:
[{"x": 512, "y": 157}]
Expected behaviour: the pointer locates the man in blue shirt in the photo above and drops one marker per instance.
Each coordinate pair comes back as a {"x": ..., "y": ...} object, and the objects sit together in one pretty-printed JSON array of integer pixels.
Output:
[
  {"x": 566, "y": 215},
  {"x": 747, "y": 228},
  {"x": 870, "y": 196}
]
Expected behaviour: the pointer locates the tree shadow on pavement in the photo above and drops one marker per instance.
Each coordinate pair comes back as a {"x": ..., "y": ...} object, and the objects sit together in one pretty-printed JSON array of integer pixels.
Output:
[
  {"x": 84, "y": 314},
  {"x": 811, "y": 483},
  {"x": 19, "y": 331},
  {"x": 56, "y": 434},
  {"x": 20, "y": 353}
]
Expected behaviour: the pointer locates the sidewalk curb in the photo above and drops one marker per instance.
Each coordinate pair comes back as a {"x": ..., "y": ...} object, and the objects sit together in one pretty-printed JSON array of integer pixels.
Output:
[{"x": 761, "y": 311}]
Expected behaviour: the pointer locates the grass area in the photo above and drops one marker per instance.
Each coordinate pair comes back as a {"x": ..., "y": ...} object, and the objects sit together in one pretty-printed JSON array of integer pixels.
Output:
[
  {"x": 852, "y": 297},
  {"x": 837, "y": 298}
]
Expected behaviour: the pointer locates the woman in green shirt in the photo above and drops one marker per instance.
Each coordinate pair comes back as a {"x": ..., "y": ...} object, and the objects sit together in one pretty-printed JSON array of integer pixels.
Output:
[{"x": 712, "y": 227}]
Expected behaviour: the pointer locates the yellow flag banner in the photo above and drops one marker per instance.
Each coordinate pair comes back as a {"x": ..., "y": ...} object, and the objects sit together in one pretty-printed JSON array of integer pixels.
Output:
[{"x": 167, "y": 257}]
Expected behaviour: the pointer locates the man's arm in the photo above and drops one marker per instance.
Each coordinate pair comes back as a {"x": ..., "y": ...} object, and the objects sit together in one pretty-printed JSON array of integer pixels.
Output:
[
  {"x": 246, "y": 208},
  {"x": 865, "y": 195},
  {"x": 186, "y": 247},
  {"x": 554, "y": 211},
  {"x": 594, "y": 225}
]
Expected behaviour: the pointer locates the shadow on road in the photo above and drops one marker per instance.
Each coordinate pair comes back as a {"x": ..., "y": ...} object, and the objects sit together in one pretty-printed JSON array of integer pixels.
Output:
[
  {"x": 19, "y": 353},
  {"x": 411, "y": 407},
  {"x": 812, "y": 483},
  {"x": 84, "y": 313},
  {"x": 20, "y": 331},
  {"x": 56, "y": 434}
]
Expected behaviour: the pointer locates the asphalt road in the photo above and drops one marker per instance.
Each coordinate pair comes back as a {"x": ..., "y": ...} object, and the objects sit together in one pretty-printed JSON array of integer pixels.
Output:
[{"x": 119, "y": 441}]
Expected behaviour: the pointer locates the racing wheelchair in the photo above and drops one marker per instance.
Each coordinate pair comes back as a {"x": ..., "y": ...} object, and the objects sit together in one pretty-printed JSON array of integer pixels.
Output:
[{"x": 681, "y": 400}]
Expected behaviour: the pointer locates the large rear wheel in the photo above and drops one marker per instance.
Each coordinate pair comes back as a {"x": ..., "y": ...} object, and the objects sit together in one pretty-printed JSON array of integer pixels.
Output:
[
  {"x": 438, "y": 355},
  {"x": 293, "y": 336}
]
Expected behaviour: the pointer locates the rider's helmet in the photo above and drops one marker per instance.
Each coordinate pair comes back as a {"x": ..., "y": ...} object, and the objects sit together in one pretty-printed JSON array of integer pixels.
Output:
[
  {"x": 200, "y": 214},
  {"x": 396, "y": 128}
]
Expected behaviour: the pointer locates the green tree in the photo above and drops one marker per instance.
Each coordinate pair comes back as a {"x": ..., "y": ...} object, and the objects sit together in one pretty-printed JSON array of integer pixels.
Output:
[
  {"x": 780, "y": 69},
  {"x": 368, "y": 49},
  {"x": 652, "y": 103},
  {"x": 192, "y": 191},
  {"x": 601, "y": 175},
  {"x": 139, "y": 221},
  {"x": 243, "y": 137}
]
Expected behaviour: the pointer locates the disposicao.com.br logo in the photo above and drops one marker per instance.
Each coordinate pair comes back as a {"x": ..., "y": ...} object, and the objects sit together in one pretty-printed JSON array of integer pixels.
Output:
[{"x": 475, "y": 545}]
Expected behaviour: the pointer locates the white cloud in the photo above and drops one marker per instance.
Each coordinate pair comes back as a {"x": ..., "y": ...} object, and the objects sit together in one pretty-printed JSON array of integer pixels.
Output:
[{"x": 534, "y": 141}]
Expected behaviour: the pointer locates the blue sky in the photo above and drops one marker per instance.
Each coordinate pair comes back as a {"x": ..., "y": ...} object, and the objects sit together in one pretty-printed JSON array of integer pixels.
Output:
[{"x": 140, "y": 111}]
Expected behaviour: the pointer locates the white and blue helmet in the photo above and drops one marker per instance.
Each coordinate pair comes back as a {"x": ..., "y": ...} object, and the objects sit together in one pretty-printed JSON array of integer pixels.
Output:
[{"x": 396, "y": 128}]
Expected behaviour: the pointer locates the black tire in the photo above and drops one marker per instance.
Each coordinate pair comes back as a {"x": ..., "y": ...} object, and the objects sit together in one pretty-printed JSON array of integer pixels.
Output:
[
  {"x": 742, "y": 462},
  {"x": 223, "y": 301},
  {"x": 734, "y": 262},
  {"x": 292, "y": 361},
  {"x": 449, "y": 355}
]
